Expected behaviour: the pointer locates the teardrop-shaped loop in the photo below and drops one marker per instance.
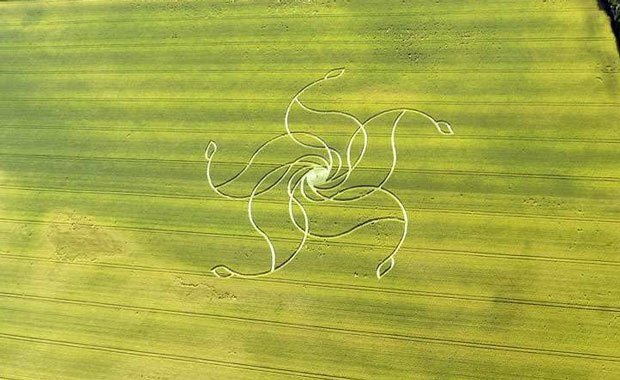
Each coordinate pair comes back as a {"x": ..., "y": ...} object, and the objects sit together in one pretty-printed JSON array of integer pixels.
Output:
[
  {"x": 385, "y": 267},
  {"x": 335, "y": 73},
  {"x": 211, "y": 149},
  {"x": 222, "y": 271},
  {"x": 444, "y": 128}
]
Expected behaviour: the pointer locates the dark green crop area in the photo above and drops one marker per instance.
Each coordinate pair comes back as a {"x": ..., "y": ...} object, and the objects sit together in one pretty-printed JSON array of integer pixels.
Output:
[{"x": 109, "y": 228}]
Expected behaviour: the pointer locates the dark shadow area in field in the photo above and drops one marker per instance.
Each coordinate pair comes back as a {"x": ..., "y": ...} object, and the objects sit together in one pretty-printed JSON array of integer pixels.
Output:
[{"x": 612, "y": 8}]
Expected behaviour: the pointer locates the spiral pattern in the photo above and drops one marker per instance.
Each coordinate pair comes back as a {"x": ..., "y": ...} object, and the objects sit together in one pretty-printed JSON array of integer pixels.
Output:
[{"x": 321, "y": 175}]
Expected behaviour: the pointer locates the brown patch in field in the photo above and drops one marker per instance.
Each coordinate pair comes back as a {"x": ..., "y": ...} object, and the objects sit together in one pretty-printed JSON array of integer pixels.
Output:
[
  {"x": 194, "y": 287},
  {"x": 77, "y": 237}
]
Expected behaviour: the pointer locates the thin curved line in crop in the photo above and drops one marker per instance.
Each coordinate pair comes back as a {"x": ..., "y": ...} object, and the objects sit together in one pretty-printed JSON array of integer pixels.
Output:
[{"x": 319, "y": 176}]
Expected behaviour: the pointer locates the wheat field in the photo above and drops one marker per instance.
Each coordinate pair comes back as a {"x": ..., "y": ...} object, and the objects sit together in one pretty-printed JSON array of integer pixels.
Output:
[{"x": 472, "y": 230}]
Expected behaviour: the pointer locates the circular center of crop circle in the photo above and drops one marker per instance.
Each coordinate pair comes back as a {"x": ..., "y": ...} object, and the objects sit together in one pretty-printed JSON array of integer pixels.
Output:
[{"x": 317, "y": 176}]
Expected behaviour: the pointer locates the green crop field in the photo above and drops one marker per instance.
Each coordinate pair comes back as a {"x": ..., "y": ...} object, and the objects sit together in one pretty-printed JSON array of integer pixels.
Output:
[{"x": 442, "y": 201}]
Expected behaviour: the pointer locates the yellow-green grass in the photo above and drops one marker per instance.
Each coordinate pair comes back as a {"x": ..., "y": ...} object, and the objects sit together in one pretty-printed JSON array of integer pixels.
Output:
[{"x": 108, "y": 229}]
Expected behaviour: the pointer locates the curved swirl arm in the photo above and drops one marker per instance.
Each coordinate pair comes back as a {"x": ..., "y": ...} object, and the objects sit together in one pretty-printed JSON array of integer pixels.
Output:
[
  {"x": 294, "y": 180},
  {"x": 212, "y": 149},
  {"x": 442, "y": 127}
]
